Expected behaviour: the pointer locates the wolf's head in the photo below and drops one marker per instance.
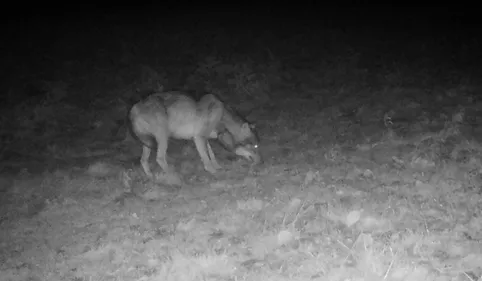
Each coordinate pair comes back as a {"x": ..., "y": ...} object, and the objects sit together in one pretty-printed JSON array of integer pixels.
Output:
[{"x": 242, "y": 140}]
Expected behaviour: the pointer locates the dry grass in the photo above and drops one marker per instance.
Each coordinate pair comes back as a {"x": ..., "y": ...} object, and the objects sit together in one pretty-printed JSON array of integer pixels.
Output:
[{"x": 355, "y": 186}]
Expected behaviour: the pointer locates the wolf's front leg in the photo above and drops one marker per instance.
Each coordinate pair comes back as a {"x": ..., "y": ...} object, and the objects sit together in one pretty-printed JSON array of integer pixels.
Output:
[{"x": 201, "y": 147}]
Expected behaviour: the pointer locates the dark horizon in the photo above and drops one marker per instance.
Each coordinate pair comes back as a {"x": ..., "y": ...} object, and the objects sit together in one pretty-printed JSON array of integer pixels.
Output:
[
  {"x": 313, "y": 15},
  {"x": 39, "y": 39}
]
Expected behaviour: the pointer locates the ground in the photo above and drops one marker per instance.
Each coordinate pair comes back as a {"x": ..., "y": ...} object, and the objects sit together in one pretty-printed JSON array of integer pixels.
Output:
[{"x": 372, "y": 163}]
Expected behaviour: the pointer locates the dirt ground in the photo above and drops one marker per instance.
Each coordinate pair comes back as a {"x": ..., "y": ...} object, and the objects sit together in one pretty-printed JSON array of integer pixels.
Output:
[{"x": 317, "y": 212}]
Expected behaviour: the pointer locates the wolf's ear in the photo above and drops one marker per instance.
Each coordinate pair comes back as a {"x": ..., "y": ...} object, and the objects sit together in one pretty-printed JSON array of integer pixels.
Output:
[{"x": 248, "y": 126}]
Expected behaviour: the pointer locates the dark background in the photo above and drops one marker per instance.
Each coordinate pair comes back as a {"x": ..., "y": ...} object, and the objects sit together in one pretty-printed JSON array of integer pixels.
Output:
[{"x": 96, "y": 50}]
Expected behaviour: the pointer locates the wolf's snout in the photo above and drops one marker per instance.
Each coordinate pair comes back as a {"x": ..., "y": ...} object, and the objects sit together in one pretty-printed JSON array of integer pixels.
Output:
[{"x": 249, "y": 155}]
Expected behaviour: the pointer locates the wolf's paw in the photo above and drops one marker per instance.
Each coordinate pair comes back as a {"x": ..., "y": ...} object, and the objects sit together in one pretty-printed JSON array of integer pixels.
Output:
[
  {"x": 211, "y": 169},
  {"x": 216, "y": 166}
]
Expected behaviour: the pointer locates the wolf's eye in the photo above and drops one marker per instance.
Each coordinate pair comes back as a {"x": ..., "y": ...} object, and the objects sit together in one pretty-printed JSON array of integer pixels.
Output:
[{"x": 255, "y": 146}]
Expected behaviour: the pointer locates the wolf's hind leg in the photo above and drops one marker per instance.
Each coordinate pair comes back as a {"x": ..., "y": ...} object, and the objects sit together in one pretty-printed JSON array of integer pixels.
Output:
[{"x": 162, "y": 142}]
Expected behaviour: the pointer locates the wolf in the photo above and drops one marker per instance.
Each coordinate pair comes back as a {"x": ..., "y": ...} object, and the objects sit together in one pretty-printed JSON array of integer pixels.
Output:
[{"x": 175, "y": 114}]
